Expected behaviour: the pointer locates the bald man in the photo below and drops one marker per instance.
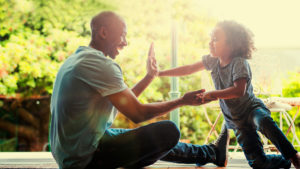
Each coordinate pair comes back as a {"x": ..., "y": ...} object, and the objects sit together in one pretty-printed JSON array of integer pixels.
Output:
[{"x": 89, "y": 89}]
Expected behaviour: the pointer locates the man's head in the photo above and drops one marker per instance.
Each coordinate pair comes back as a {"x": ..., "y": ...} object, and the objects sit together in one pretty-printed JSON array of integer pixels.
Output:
[{"x": 108, "y": 33}]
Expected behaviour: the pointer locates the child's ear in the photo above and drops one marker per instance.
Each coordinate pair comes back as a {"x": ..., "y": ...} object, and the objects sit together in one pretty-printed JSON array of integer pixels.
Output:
[{"x": 102, "y": 32}]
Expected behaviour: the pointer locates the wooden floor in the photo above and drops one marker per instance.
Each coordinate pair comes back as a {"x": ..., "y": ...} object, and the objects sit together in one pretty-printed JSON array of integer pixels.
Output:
[{"x": 45, "y": 160}]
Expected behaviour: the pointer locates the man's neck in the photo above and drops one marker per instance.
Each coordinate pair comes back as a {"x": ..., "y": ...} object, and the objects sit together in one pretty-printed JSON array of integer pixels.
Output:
[{"x": 96, "y": 46}]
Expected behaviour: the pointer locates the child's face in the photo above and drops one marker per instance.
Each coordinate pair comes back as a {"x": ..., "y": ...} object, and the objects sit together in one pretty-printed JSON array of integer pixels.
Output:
[{"x": 218, "y": 45}]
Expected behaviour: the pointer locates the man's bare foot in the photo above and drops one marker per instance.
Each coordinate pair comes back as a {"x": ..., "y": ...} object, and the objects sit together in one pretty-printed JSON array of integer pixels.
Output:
[{"x": 296, "y": 160}]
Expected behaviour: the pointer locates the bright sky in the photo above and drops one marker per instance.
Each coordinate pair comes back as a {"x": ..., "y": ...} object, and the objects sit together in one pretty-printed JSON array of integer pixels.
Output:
[{"x": 275, "y": 23}]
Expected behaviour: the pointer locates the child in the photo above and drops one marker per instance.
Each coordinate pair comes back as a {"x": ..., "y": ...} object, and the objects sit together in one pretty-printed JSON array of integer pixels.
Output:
[{"x": 231, "y": 44}]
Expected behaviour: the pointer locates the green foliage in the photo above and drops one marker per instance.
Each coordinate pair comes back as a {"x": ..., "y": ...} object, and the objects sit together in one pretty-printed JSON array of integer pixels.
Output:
[
  {"x": 292, "y": 85},
  {"x": 36, "y": 37},
  {"x": 72, "y": 15},
  {"x": 29, "y": 61},
  {"x": 291, "y": 88},
  {"x": 10, "y": 19},
  {"x": 194, "y": 125}
]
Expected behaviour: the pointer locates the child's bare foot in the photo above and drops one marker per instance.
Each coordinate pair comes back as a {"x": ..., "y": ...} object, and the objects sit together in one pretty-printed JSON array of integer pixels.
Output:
[{"x": 296, "y": 160}]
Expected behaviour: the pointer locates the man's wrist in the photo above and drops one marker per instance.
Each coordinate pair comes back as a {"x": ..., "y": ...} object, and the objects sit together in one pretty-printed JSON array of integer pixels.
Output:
[
  {"x": 150, "y": 77},
  {"x": 181, "y": 102}
]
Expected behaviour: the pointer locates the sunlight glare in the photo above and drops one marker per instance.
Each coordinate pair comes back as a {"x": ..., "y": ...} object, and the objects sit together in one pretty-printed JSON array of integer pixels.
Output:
[{"x": 274, "y": 23}]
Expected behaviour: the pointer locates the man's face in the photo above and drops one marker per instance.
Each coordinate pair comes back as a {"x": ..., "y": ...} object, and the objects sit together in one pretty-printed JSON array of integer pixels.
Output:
[{"x": 116, "y": 40}]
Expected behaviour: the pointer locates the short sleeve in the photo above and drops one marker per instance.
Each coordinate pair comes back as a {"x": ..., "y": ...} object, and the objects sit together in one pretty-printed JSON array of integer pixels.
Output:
[
  {"x": 209, "y": 62},
  {"x": 102, "y": 74},
  {"x": 240, "y": 69}
]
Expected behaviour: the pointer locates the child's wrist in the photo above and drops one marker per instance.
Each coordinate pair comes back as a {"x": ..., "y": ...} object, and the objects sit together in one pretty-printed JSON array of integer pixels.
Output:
[
  {"x": 159, "y": 73},
  {"x": 212, "y": 95}
]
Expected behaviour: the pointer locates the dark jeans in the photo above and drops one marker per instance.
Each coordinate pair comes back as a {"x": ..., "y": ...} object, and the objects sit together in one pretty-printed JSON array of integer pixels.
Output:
[
  {"x": 137, "y": 148},
  {"x": 250, "y": 142}
]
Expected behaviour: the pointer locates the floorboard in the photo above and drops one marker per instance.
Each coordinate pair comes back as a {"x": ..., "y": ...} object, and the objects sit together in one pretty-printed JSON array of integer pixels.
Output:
[{"x": 45, "y": 160}]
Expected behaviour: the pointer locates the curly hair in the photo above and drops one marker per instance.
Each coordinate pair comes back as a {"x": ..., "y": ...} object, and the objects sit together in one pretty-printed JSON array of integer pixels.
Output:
[{"x": 239, "y": 38}]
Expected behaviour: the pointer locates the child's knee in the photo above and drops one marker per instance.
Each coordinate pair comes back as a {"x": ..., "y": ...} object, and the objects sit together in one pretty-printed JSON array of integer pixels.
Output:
[
  {"x": 257, "y": 162},
  {"x": 263, "y": 123},
  {"x": 269, "y": 162}
]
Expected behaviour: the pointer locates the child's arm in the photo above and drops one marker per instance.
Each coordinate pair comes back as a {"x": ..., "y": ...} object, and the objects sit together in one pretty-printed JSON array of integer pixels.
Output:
[
  {"x": 237, "y": 90},
  {"x": 183, "y": 70}
]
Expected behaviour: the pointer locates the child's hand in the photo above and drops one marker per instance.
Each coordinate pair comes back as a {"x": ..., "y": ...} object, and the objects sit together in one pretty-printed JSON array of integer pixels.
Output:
[
  {"x": 191, "y": 98},
  {"x": 206, "y": 97}
]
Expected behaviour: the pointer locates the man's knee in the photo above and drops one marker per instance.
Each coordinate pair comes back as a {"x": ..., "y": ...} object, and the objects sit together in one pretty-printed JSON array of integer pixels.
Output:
[
  {"x": 170, "y": 130},
  {"x": 167, "y": 130}
]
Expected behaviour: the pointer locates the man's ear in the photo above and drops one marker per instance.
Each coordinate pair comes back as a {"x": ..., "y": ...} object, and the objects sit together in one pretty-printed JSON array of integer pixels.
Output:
[{"x": 102, "y": 32}]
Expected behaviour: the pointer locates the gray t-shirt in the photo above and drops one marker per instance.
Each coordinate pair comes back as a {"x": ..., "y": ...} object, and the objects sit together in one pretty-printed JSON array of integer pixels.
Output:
[
  {"x": 81, "y": 112},
  {"x": 236, "y": 111}
]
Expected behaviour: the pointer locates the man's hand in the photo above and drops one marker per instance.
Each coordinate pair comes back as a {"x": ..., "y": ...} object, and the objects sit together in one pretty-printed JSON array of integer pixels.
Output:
[
  {"x": 193, "y": 99},
  {"x": 151, "y": 62},
  {"x": 206, "y": 97},
  {"x": 151, "y": 73}
]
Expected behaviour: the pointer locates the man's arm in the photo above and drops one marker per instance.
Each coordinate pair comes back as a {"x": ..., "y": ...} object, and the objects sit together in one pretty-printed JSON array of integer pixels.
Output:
[
  {"x": 151, "y": 73},
  {"x": 127, "y": 103},
  {"x": 142, "y": 85}
]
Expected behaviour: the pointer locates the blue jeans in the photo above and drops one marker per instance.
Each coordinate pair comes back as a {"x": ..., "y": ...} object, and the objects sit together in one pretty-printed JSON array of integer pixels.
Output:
[
  {"x": 249, "y": 140},
  {"x": 143, "y": 146}
]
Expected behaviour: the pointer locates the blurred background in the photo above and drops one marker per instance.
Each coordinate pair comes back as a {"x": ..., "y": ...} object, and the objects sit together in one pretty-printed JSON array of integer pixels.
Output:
[{"x": 36, "y": 36}]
